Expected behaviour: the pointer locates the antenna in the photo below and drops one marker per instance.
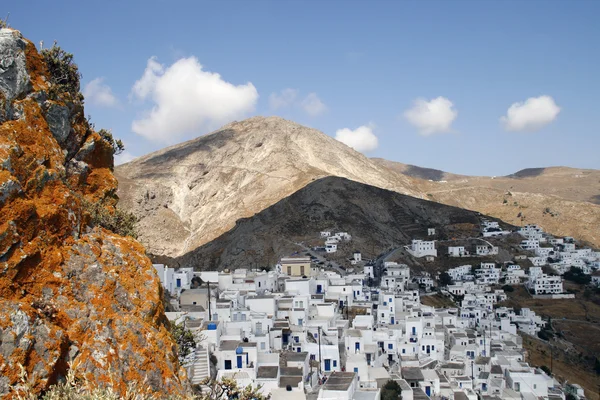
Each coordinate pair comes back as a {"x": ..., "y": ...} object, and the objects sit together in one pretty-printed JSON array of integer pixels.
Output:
[{"x": 6, "y": 20}]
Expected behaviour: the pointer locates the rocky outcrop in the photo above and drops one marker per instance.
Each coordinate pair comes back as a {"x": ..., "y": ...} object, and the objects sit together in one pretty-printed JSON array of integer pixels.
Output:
[{"x": 71, "y": 296}]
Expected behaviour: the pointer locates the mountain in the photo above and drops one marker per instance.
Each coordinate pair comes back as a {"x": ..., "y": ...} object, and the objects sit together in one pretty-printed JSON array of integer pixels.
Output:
[
  {"x": 417, "y": 172},
  {"x": 564, "y": 201},
  {"x": 72, "y": 293},
  {"x": 573, "y": 184},
  {"x": 377, "y": 219},
  {"x": 189, "y": 194}
]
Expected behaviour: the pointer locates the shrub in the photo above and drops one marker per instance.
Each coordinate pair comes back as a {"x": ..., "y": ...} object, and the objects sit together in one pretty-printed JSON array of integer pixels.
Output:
[
  {"x": 546, "y": 370},
  {"x": 391, "y": 391},
  {"x": 120, "y": 222},
  {"x": 64, "y": 73},
  {"x": 445, "y": 279},
  {"x": 508, "y": 288},
  {"x": 184, "y": 339},
  {"x": 576, "y": 275},
  {"x": 117, "y": 145}
]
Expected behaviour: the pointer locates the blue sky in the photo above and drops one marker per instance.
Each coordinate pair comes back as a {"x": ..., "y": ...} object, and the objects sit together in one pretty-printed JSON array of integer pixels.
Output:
[{"x": 420, "y": 82}]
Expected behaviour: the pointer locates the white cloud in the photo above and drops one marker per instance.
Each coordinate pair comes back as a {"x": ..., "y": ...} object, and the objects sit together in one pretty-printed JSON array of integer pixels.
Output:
[
  {"x": 188, "y": 99},
  {"x": 313, "y": 105},
  {"x": 530, "y": 115},
  {"x": 361, "y": 139},
  {"x": 285, "y": 98},
  {"x": 98, "y": 93},
  {"x": 434, "y": 116},
  {"x": 124, "y": 157}
]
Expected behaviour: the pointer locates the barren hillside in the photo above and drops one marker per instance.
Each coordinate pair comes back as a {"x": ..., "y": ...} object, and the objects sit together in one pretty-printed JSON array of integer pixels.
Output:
[
  {"x": 377, "y": 219},
  {"x": 188, "y": 194},
  {"x": 564, "y": 201}
]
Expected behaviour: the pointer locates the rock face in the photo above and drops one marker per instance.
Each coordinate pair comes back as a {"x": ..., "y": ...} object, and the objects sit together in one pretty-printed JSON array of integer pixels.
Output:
[
  {"x": 377, "y": 219},
  {"x": 70, "y": 296},
  {"x": 189, "y": 194}
]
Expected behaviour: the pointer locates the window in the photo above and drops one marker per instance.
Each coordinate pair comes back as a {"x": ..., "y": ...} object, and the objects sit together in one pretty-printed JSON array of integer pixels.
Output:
[
  {"x": 262, "y": 345},
  {"x": 289, "y": 270},
  {"x": 334, "y": 363},
  {"x": 390, "y": 346},
  {"x": 403, "y": 351},
  {"x": 356, "y": 369},
  {"x": 302, "y": 270},
  {"x": 382, "y": 315},
  {"x": 227, "y": 364},
  {"x": 300, "y": 321}
]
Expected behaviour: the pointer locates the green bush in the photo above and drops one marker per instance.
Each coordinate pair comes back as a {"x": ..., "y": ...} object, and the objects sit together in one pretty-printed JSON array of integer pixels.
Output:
[
  {"x": 576, "y": 275},
  {"x": 64, "y": 73},
  {"x": 117, "y": 145},
  {"x": 391, "y": 391},
  {"x": 120, "y": 222},
  {"x": 185, "y": 341},
  {"x": 508, "y": 288}
]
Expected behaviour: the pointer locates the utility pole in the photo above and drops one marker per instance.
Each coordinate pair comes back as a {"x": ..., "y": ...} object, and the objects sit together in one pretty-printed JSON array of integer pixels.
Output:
[
  {"x": 472, "y": 371},
  {"x": 347, "y": 306},
  {"x": 209, "y": 313},
  {"x": 551, "y": 357},
  {"x": 484, "y": 345},
  {"x": 319, "y": 329}
]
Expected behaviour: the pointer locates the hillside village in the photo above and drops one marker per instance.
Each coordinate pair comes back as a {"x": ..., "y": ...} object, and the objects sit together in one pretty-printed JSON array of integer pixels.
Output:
[{"x": 314, "y": 329}]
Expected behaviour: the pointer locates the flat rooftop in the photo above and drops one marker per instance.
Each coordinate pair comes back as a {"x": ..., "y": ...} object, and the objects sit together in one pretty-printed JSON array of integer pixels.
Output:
[
  {"x": 267, "y": 372},
  {"x": 412, "y": 374},
  {"x": 339, "y": 381},
  {"x": 228, "y": 345}
]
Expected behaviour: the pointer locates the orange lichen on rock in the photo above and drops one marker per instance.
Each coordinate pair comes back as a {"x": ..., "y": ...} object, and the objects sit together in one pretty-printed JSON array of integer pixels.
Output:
[{"x": 69, "y": 294}]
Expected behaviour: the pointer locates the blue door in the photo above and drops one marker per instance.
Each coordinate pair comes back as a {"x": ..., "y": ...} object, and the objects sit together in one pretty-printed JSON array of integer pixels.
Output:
[
  {"x": 428, "y": 390},
  {"x": 392, "y": 320},
  {"x": 239, "y": 361},
  {"x": 327, "y": 365},
  {"x": 357, "y": 346},
  {"x": 319, "y": 288}
]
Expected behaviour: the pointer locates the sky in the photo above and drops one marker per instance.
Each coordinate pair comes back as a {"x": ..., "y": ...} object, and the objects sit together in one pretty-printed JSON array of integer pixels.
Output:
[{"x": 470, "y": 87}]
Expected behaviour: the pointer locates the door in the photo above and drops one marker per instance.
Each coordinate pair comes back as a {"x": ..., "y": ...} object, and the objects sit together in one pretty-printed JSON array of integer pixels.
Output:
[
  {"x": 428, "y": 390},
  {"x": 357, "y": 346},
  {"x": 392, "y": 320},
  {"x": 239, "y": 361},
  {"x": 227, "y": 364},
  {"x": 319, "y": 288},
  {"x": 327, "y": 365}
]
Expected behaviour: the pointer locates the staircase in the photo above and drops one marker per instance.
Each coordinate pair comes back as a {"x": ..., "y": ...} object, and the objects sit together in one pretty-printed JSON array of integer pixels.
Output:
[{"x": 201, "y": 367}]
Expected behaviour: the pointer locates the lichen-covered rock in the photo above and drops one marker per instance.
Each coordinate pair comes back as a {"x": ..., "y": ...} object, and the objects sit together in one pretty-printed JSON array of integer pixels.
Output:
[
  {"x": 71, "y": 296},
  {"x": 14, "y": 78}
]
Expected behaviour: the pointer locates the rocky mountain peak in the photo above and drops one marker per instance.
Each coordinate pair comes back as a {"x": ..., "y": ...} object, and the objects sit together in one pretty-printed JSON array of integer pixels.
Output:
[
  {"x": 73, "y": 295},
  {"x": 190, "y": 193}
]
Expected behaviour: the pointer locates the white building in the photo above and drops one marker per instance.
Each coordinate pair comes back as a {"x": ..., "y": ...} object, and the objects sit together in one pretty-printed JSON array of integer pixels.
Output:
[
  {"x": 422, "y": 248},
  {"x": 545, "y": 284},
  {"x": 457, "y": 251}
]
